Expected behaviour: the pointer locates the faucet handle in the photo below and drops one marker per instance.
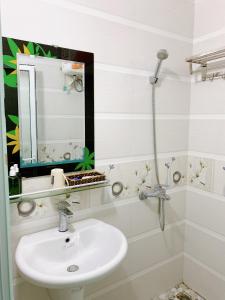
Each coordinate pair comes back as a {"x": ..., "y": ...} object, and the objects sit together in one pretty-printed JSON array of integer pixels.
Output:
[
  {"x": 63, "y": 204},
  {"x": 67, "y": 212},
  {"x": 75, "y": 202}
]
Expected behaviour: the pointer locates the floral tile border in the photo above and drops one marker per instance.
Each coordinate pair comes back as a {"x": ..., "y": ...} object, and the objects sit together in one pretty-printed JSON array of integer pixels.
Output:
[
  {"x": 200, "y": 173},
  {"x": 137, "y": 175}
]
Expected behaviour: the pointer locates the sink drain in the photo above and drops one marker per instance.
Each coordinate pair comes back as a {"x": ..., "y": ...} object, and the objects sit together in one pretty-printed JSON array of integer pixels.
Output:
[{"x": 72, "y": 268}]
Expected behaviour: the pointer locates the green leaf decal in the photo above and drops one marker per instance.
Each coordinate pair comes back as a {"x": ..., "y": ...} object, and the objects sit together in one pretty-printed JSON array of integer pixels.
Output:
[
  {"x": 49, "y": 54},
  {"x": 37, "y": 48},
  {"x": 13, "y": 47},
  {"x": 88, "y": 161},
  {"x": 14, "y": 119},
  {"x": 30, "y": 47},
  {"x": 10, "y": 79},
  {"x": 13, "y": 135},
  {"x": 11, "y": 132},
  {"x": 9, "y": 61},
  {"x": 91, "y": 156}
]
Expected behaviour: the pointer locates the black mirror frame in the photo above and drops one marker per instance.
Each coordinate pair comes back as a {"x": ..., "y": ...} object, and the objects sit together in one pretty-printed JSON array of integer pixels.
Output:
[{"x": 13, "y": 46}]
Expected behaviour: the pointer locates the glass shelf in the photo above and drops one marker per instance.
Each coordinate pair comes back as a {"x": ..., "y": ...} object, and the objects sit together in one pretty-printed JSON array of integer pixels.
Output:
[{"x": 57, "y": 192}]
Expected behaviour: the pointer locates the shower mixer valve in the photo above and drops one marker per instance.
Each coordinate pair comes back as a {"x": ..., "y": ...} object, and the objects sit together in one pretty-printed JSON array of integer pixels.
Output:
[{"x": 158, "y": 191}]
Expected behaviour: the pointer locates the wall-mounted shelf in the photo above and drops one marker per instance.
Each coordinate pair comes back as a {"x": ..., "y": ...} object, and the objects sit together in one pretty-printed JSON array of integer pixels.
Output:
[
  {"x": 57, "y": 192},
  {"x": 203, "y": 60}
]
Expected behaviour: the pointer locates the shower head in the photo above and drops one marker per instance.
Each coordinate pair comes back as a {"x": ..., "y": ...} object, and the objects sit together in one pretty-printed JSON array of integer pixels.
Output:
[{"x": 161, "y": 55}]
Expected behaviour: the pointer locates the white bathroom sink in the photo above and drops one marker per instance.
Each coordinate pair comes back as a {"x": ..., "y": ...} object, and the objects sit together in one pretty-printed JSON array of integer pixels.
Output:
[{"x": 45, "y": 258}]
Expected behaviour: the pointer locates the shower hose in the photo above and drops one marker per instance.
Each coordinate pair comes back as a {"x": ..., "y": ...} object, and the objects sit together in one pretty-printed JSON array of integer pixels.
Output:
[{"x": 161, "y": 200}]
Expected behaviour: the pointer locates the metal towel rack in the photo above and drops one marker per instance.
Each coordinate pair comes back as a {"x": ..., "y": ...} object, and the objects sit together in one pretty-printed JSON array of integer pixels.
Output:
[{"x": 203, "y": 60}]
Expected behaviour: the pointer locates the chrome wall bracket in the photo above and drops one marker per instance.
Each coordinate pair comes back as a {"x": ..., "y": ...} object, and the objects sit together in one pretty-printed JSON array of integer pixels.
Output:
[{"x": 203, "y": 61}]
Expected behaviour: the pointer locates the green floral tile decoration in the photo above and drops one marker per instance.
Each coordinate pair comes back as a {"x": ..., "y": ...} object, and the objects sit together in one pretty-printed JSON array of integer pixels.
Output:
[
  {"x": 88, "y": 162},
  {"x": 10, "y": 61}
]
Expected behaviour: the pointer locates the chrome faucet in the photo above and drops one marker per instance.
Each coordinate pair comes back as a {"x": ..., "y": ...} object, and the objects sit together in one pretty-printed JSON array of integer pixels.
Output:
[{"x": 64, "y": 215}]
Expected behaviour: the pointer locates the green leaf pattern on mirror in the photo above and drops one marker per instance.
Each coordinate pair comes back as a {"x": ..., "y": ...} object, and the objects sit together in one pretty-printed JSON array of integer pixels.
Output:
[
  {"x": 13, "y": 135},
  {"x": 88, "y": 162},
  {"x": 10, "y": 61}
]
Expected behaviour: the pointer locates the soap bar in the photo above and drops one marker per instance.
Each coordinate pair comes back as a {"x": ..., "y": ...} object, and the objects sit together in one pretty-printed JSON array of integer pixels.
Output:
[{"x": 86, "y": 177}]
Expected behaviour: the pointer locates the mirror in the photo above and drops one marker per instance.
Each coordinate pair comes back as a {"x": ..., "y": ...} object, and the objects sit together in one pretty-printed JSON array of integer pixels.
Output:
[
  {"x": 52, "y": 106},
  {"x": 51, "y": 109}
]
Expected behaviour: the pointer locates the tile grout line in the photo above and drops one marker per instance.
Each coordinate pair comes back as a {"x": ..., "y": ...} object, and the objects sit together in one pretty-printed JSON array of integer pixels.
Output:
[
  {"x": 155, "y": 231},
  {"x": 206, "y": 155},
  {"x": 141, "y": 116},
  {"x": 205, "y": 230},
  {"x": 139, "y": 158},
  {"x": 209, "y": 36},
  {"x": 159, "y": 116},
  {"x": 210, "y": 270},
  {"x": 205, "y": 193},
  {"x": 119, "y": 20},
  {"x": 133, "y": 277},
  {"x": 139, "y": 72}
]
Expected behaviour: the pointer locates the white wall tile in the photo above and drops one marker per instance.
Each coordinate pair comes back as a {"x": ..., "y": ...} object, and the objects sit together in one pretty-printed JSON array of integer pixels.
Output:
[
  {"x": 219, "y": 178},
  {"x": 206, "y": 10},
  {"x": 123, "y": 45},
  {"x": 135, "y": 137},
  {"x": 116, "y": 92},
  {"x": 207, "y": 136},
  {"x": 206, "y": 248},
  {"x": 200, "y": 279},
  {"x": 212, "y": 43},
  {"x": 144, "y": 214},
  {"x": 207, "y": 97},
  {"x": 206, "y": 210},
  {"x": 161, "y": 14},
  {"x": 28, "y": 291},
  {"x": 147, "y": 286},
  {"x": 116, "y": 216}
]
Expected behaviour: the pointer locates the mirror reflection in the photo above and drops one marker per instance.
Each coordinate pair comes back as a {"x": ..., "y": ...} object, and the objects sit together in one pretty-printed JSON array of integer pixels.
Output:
[{"x": 51, "y": 98}]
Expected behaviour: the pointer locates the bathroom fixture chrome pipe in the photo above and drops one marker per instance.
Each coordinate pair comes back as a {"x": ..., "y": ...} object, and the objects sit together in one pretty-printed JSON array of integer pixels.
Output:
[{"x": 158, "y": 190}]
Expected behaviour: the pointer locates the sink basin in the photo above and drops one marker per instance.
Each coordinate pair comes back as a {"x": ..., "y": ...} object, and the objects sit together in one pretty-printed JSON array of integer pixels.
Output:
[{"x": 61, "y": 260}]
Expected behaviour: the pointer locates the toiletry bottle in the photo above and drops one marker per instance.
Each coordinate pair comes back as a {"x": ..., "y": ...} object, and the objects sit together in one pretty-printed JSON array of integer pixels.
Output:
[
  {"x": 13, "y": 182},
  {"x": 16, "y": 168}
]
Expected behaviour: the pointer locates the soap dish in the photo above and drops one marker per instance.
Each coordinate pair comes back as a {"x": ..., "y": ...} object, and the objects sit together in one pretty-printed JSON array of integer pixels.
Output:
[{"x": 84, "y": 177}]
